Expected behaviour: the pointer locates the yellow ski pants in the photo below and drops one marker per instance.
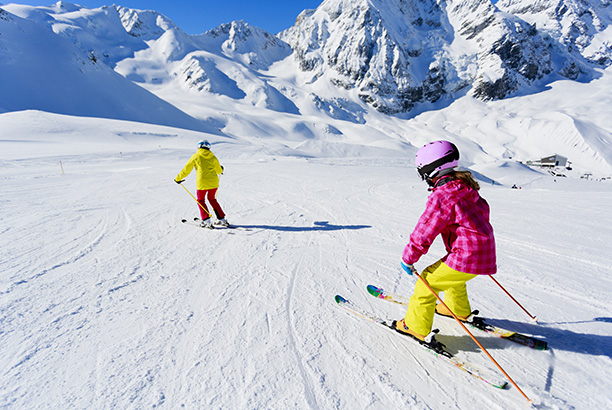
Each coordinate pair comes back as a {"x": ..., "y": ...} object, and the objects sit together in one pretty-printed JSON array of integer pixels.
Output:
[{"x": 422, "y": 306}]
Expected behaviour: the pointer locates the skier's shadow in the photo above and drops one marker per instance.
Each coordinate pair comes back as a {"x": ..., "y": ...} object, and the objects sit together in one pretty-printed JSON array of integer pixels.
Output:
[
  {"x": 318, "y": 226},
  {"x": 557, "y": 339}
]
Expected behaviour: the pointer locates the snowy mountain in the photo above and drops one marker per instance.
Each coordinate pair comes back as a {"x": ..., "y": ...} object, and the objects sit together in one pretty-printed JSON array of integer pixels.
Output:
[
  {"x": 250, "y": 45},
  {"x": 224, "y": 61},
  {"x": 44, "y": 71},
  {"x": 398, "y": 54},
  {"x": 581, "y": 27},
  {"x": 374, "y": 68},
  {"x": 147, "y": 48}
]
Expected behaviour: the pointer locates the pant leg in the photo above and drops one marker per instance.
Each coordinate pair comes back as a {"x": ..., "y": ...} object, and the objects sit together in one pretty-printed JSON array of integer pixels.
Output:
[
  {"x": 212, "y": 198},
  {"x": 441, "y": 278},
  {"x": 201, "y": 195},
  {"x": 456, "y": 298},
  {"x": 422, "y": 305}
]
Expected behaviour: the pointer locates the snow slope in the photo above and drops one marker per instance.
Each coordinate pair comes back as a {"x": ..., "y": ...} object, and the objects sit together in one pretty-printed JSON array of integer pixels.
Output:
[
  {"x": 44, "y": 71},
  {"x": 108, "y": 301}
]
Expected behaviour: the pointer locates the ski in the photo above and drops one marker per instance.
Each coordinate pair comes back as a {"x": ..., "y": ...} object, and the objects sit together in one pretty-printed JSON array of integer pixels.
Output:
[
  {"x": 388, "y": 296},
  {"x": 474, "y": 321},
  {"x": 215, "y": 226},
  {"x": 440, "y": 353},
  {"x": 197, "y": 224}
]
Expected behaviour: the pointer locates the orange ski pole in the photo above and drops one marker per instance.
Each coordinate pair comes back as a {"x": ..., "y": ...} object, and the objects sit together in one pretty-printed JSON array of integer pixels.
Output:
[
  {"x": 194, "y": 198},
  {"x": 534, "y": 318},
  {"x": 529, "y": 401}
]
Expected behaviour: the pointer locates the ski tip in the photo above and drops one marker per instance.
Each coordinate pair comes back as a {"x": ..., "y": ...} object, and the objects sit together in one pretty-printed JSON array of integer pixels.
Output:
[
  {"x": 340, "y": 299},
  {"x": 374, "y": 291}
]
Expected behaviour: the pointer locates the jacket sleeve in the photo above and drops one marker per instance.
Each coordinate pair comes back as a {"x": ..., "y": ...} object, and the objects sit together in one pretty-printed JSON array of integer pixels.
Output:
[
  {"x": 217, "y": 166},
  {"x": 187, "y": 169},
  {"x": 431, "y": 223}
]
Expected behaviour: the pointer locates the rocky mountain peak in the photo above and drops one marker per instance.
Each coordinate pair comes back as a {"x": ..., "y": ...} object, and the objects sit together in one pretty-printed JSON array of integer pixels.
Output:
[
  {"x": 250, "y": 45},
  {"x": 400, "y": 53},
  {"x": 144, "y": 24},
  {"x": 388, "y": 51},
  {"x": 578, "y": 26}
]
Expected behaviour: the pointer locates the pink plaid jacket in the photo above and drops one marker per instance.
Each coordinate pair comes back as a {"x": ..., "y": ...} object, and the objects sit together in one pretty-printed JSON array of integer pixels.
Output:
[{"x": 461, "y": 216}]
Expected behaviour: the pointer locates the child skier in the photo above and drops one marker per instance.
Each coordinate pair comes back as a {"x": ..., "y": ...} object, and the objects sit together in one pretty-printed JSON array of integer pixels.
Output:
[
  {"x": 460, "y": 215},
  {"x": 208, "y": 170}
]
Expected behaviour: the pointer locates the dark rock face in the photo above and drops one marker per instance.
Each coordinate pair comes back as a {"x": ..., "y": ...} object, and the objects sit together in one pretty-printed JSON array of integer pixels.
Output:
[{"x": 399, "y": 54}]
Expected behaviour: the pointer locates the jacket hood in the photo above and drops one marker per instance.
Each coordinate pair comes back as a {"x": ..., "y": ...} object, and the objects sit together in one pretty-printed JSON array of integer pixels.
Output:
[
  {"x": 204, "y": 153},
  {"x": 459, "y": 189}
]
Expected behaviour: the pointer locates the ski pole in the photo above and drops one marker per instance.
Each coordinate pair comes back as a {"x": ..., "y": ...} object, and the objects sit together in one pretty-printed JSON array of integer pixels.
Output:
[
  {"x": 529, "y": 401},
  {"x": 534, "y": 318},
  {"x": 194, "y": 198}
]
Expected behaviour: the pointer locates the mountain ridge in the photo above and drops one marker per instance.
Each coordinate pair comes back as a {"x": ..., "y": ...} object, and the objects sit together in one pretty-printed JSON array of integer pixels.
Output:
[
  {"x": 346, "y": 64},
  {"x": 396, "y": 54}
]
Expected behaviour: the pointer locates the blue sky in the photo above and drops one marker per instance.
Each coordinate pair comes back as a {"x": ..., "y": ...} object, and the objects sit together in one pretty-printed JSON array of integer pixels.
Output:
[{"x": 195, "y": 17}]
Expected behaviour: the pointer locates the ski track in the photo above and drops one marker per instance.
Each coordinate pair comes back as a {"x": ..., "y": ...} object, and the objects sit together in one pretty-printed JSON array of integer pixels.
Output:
[
  {"x": 309, "y": 394},
  {"x": 527, "y": 246}
]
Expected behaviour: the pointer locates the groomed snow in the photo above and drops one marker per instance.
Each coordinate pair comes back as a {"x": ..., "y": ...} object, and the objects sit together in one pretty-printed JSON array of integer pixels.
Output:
[{"x": 109, "y": 301}]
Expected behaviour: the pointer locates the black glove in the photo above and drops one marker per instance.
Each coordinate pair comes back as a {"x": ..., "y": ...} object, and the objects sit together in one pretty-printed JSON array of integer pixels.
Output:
[
  {"x": 222, "y": 169},
  {"x": 179, "y": 182}
]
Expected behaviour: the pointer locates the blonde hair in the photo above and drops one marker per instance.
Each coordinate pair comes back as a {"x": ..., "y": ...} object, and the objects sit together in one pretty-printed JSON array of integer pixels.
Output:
[{"x": 467, "y": 178}]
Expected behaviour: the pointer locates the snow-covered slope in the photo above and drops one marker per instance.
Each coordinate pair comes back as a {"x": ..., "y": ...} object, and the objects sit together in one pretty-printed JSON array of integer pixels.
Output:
[
  {"x": 108, "y": 301},
  {"x": 44, "y": 71}
]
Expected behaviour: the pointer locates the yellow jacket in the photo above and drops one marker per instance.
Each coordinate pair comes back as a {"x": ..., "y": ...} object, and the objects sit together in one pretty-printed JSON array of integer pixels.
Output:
[{"x": 207, "y": 168}]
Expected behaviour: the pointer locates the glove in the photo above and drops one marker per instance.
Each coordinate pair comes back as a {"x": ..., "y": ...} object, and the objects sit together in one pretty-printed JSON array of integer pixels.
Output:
[
  {"x": 179, "y": 182},
  {"x": 222, "y": 169},
  {"x": 409, "y": 268}
]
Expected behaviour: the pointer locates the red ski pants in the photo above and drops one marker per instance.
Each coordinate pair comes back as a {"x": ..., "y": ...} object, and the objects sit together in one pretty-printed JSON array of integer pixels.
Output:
[{"x": 211, "y": 195}]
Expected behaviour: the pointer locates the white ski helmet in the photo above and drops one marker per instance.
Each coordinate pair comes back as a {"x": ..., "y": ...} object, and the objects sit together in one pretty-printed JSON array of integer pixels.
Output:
[
  {"x": 436, "y": 158},
  {"x": 204, "y": 144}
]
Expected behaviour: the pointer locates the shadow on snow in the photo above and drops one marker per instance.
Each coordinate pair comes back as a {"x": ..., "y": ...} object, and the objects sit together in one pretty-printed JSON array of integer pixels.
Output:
[
  {"x": 319, "y": 226},
  {"x": 557, "y": 339}
]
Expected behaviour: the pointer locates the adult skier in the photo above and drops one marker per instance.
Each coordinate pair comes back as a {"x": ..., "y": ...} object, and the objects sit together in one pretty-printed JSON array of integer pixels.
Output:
[
  {"x": 208, "y": 170},
  {"x": 456, "y": 211}
]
